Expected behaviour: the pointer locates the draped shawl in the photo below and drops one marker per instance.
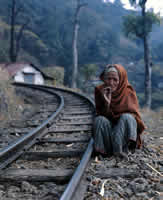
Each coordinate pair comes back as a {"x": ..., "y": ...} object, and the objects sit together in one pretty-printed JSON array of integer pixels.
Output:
[{"x": 124, "y": 100}]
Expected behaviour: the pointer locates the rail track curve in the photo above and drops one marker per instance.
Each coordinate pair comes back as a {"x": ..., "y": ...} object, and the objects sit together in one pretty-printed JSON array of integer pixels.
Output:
[{"x": 57, "y": 150}]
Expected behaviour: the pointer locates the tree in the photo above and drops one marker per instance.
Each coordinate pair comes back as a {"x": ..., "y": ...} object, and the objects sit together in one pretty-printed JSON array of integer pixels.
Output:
[
  {"x": 118, "y": 3},
  {"x": 87, "y": 73},
  {"x": 74, "y": 45},
  {"x": 141, "y": 26},
  {"x": 16, "y": 32}
]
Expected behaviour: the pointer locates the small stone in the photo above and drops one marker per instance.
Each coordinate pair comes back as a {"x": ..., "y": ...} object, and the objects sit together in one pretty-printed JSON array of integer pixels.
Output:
[
  {"x": 152, "y": 193},
  {"x": 161, "y": 169},
  {"x": 159, "y": 187},
  {"x": 133, "y": 198},
  {"x": 120, "y": 189},
  {"x": 89, "y": 178},
  {"x": 1, "y": 193},
  {"x": 10, "y": 194},
  {"x": 26, "y": 187},
  {"x": 2, "y": 187},
  {"x": 140, "y": 180},
  {"x": 14, "y": 189},
  {"x": 129, "y": 192},
  {"x": 147, "y": 173},
  {"x": 137, "y": 188},
  {"x": 161, "y": 180},
  {"x": 142, "y": 196},
  {"x": 161, "y": 162}
]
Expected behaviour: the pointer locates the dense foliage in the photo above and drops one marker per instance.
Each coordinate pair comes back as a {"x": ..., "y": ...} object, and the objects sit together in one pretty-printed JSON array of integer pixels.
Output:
[
  {"x": 47, "y": 40},
  {"x": 52, "y": 21}
]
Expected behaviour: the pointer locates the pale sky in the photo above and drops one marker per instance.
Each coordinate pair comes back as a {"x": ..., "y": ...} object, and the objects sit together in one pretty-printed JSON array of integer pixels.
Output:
[{"x": 157, "y": 5}]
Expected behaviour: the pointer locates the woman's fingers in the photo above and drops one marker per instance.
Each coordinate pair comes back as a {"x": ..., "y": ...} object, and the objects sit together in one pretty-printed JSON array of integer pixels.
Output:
[{"x": 107, "y": 99}]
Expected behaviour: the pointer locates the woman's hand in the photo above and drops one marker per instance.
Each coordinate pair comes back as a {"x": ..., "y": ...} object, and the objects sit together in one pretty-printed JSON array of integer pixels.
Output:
[{"x": 107, "y": 94}]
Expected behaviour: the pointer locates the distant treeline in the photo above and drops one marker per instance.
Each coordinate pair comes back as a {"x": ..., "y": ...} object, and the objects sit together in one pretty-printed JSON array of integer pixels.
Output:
[{"x": 48, "y": 32}]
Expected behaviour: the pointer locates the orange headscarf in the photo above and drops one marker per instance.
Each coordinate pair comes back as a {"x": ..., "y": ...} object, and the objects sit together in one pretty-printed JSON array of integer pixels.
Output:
[{"x": 124, "y": 100}]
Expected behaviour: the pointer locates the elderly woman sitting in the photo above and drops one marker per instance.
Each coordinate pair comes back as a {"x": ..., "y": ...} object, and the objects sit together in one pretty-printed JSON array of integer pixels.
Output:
[{"x": 118, "y": 124}]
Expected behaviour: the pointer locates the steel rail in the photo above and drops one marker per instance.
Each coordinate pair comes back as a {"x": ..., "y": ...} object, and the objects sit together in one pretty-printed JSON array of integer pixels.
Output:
[
  {"x": 12, "y": 151},
  {"x": 76, "y": 178},
  {"x": 70, "y": 91}
]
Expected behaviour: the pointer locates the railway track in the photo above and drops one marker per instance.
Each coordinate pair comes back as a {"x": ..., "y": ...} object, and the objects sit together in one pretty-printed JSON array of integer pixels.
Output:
[{"x": 49, "y": 161}]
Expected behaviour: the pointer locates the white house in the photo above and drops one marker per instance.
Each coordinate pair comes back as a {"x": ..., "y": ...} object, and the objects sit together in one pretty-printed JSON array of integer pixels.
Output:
[{"x": 26, "y": 73}]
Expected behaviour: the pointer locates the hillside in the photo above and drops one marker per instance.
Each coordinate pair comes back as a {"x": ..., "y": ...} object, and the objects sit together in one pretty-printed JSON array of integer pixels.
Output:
[
  {"x": 47, "y": 40},
  {"x": 52, "y": 24},
  {"x": 32, "y": 48}
]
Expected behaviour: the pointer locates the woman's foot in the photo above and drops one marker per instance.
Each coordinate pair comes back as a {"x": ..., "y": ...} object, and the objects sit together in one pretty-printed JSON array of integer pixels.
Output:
[
  {"x": 97, "y": 153},
  {"x": 132, "y": 146}
]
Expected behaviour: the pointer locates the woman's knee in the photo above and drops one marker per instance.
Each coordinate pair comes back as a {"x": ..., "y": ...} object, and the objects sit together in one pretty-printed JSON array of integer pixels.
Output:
[
  {"x": 128, "y": 117},
  {"x": 100, "y": 119}
]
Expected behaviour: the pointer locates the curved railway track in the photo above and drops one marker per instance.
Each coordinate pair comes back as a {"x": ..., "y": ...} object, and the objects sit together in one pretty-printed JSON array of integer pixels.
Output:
[{"x": 52, "y": 157}]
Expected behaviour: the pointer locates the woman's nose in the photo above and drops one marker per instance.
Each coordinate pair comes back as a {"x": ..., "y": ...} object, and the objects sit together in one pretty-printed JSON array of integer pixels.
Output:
[{"x": 111, "y": 82}]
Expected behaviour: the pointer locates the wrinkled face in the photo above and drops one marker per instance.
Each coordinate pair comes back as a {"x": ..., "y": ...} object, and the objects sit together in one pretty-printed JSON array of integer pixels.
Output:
[{"x": 111, "y": 79}]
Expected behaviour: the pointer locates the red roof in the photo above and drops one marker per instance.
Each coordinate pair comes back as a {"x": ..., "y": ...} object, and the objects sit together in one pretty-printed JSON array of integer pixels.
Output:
[{"x": 13, "y": 68}]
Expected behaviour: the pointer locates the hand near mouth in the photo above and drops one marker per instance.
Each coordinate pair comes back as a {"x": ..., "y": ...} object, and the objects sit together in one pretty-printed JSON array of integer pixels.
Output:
[{"x": 107, "y": 94}]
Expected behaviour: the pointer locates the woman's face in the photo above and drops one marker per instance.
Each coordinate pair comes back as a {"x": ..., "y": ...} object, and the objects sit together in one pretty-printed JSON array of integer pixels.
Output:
[{"x": 111, "y": 80}]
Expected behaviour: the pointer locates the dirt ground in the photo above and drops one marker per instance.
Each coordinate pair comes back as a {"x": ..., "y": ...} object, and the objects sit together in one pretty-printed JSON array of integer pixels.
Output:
[
  {"x": 154, "y": 122},
  {"x": 146, "y": 163}
]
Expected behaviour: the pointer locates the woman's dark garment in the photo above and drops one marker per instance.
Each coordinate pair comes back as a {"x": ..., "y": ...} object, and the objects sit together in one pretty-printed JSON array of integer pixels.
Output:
[
  {"x": 109, "y": 139},
  {"x": 123, "y": 101}
]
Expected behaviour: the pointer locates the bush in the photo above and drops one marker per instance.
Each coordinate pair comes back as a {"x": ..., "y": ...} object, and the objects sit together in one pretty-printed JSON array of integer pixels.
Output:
[
  {"x": 10, "y": 105},
  {"x": 57, "y": 73}
]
